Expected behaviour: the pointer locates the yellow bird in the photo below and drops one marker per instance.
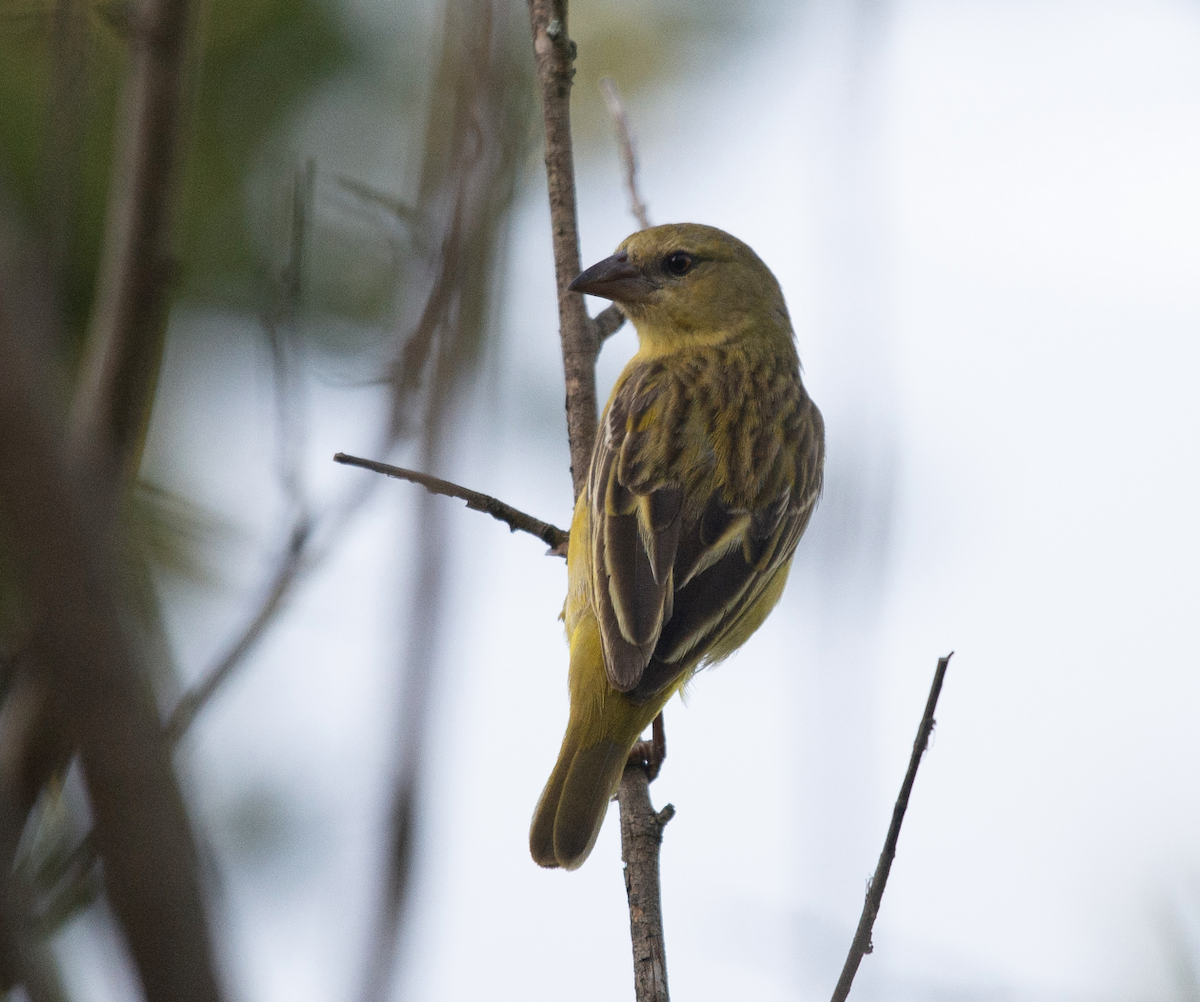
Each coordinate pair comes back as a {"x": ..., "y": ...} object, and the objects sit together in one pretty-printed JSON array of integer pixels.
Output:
[{"x": 706, "y": 469}]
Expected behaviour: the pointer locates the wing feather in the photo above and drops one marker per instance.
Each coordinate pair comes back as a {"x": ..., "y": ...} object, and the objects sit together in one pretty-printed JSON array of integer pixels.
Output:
[
  {"x": 675, "y": 584},
  {"x": 634, "y": 540}
]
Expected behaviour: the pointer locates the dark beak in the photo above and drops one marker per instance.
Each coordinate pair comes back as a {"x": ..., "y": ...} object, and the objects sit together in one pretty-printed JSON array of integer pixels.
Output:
[{"x": 615, "y": 278}]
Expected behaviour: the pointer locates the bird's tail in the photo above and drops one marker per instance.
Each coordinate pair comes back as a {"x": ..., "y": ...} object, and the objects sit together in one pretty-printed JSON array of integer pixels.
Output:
[
  {"x": 571, "y": 810},
  {"x": 603, "y": 726}
]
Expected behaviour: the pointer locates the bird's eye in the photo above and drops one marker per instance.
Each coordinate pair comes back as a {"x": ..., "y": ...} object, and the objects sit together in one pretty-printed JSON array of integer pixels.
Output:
[{"x": 678, "y": 263}]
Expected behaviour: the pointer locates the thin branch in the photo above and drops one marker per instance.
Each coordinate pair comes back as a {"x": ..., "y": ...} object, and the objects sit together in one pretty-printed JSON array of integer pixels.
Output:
[
  {"x": 612, "y": 97},
  {"x": 608, "y": 321},
  {"x": 581, "y": 339},
  {"x": 641, "y": 838},
  {"x": 196, "y": 698},
  {"x": 554, "y": 53},
  {"x": 862, "y": 945},
  {"x": 516, "y": 520},
  {"x": 473, "y": 146}
]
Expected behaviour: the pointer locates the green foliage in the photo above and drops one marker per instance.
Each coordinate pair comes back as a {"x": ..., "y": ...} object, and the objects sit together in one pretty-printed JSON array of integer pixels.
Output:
[{"x": 259, "y": 57}]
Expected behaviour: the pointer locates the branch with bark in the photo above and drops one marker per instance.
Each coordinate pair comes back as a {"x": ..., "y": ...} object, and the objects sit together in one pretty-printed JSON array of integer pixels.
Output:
[{"x": 514, "y": 518}]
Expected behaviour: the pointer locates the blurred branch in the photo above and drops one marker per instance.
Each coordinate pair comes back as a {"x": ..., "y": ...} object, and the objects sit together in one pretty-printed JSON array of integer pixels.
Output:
[
  {"x": 612, "y": 97},
  {"x": 862, "y": 945},
  {"x": 395, "y": 206},
  {"x": 125, "y": 341},
  {"x": 297, "y": 557},
  {"x": 23, "y": 960},
  {"x": 473, "y": 146},
  {"x": 62, "y": 531},
  {"x": 196, "y": 698},
  {"x": 516, "y": 520},
  {"x": 115, "y": 388},
  {"x": 67, "y": 107}
]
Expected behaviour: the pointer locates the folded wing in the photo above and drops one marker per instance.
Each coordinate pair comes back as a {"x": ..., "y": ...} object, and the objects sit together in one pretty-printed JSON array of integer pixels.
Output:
[{"x": 672, "y": 581}]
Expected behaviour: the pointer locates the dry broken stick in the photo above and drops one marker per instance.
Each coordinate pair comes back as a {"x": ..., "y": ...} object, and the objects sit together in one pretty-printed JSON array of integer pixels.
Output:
[
  {"x": 861, "y": 945},
  {"x": 514, "y": 518},
  {"x": 612, "y": 98}
]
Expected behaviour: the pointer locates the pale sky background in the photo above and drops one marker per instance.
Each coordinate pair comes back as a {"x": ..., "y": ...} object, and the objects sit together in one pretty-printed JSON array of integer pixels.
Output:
[{"x": 989, "y": 239}]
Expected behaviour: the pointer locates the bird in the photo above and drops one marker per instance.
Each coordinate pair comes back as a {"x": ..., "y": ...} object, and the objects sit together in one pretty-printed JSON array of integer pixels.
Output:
[{"x": 706, "y": 469}]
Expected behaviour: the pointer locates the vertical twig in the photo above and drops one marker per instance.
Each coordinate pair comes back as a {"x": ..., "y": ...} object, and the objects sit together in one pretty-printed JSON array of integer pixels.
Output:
[
  {"x": 555, "y": 55},
  {"x": 467, "y": 184},
  {"x": 641, "y": 827},
  {"x": 641, "y": 839},
  {"x": 861, "y": 945},
  {"x": 125, "y": 340}
]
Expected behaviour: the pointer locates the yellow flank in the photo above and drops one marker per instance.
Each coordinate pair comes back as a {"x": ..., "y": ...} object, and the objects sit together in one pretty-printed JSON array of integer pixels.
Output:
[{"x": 705, "y": 472}]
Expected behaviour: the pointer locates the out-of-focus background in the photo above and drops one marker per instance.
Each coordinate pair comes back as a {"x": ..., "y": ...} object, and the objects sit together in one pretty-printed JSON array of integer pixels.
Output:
[{"x": 986, "y": 219}]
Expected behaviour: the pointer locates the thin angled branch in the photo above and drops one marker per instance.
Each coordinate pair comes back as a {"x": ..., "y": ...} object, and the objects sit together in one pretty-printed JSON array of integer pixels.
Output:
[
  {"x": 608, "y": 321},
  {"x": 861, "y": 945},
  {"x": 196, "y": 698},
  {"x": 612, "y": 97},
  {"x": 515, "y": 519}
]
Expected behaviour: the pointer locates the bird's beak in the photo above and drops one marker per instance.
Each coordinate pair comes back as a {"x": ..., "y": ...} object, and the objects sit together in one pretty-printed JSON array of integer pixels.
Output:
[{"x": 615, "y": 278}]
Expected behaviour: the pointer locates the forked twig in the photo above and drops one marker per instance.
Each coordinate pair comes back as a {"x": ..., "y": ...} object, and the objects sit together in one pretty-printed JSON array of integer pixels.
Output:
[
  {"x": 515, "y": 519},
  {"x": 861, "y": 945}
]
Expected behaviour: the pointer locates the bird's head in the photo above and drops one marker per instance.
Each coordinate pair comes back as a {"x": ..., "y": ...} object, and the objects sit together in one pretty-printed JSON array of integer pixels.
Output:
[{"x": 685, "y": 284}]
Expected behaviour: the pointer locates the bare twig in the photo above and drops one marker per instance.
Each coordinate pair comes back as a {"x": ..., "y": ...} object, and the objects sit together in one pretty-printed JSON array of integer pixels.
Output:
[
  {"x": 196, "y": 698},
  {"x": 555, "y": 55},
  {"x": 516, "y": 520},
  {"x": 861, "y": 945},
  {"x": 608, "y": 322},
  {"x": 612, "y": 97},
  {"x": 641, "y": 827},
  {"x": 641, "y": 839}
]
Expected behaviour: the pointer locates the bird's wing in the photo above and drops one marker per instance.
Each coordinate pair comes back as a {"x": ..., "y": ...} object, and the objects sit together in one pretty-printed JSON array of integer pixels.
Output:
[
  {"x": 636, "y": 517},
  {"x": 673, "y": 586},
  {"x": 729, "y": 560}
]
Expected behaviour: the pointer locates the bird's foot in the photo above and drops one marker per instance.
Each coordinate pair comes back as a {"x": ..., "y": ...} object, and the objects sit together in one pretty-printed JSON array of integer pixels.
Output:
[{"x": 650, "y": 754}]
